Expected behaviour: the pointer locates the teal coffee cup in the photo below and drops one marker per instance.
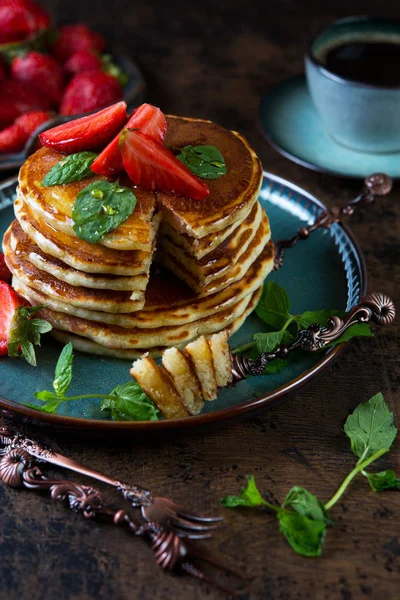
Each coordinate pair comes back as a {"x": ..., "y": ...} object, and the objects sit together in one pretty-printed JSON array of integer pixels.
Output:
[{"x": 353, "y": 74}]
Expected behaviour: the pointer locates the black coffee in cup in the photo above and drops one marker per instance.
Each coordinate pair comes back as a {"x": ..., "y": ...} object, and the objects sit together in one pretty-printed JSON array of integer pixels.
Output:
[{"x": 372, "y": 62}]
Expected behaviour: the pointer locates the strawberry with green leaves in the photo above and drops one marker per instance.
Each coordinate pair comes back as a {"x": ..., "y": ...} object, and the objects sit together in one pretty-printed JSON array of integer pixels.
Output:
[{"x": 19, "y": 332}]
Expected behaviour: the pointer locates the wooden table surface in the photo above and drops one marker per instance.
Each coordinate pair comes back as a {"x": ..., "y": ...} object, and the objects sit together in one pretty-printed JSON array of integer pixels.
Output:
[{"x": 214, "y": 60}]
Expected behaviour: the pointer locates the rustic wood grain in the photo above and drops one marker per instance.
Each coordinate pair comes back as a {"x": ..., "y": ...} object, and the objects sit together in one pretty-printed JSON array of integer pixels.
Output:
[{"x": 213, "y": 60}]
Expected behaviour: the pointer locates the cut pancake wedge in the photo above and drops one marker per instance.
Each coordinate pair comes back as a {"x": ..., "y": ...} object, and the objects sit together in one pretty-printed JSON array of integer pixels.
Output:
[
  {"x": 157, "y": 384},
  {"x": 185, "y": 379},
  {"x": 199, "y": 353}
]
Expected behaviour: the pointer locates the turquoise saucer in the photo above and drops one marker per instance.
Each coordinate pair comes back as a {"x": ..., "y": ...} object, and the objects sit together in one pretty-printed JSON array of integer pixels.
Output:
[{"x": 293, "y": 127}]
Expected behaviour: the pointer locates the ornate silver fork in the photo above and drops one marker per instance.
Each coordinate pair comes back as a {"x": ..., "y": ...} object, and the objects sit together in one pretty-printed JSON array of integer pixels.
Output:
[
  {"x": 18, "y": 468},
  {"x": 164, "y": 511}
]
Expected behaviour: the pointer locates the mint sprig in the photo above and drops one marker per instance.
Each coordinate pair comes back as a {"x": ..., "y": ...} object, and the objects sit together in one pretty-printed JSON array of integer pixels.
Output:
[
  {"x": 303, "y": 518},
  {"x": 274, "y": 309},
  {"x": 25, "y": 333},
  {"x": 206, "y": 162},
  {"x": 74, "y": 167},
  {"x": 101, "y": 207},
  {"x": 126, "y": 402}
]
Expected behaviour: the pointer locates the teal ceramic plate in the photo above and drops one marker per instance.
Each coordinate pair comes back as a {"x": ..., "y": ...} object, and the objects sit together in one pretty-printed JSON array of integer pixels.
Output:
[
  {"x": 293, "y": 127},
  {"x": 326, "y": 271}
]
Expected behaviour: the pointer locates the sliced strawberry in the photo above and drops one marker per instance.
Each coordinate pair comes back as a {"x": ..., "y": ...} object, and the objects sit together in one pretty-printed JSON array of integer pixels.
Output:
[
  {"x": 9, "y": 302},
  {"x": 87, "y": 133},
  {"x": 151, "y": 165},
  {"x": 5, "y": 273},
  {"x": 149, "y": 120}
]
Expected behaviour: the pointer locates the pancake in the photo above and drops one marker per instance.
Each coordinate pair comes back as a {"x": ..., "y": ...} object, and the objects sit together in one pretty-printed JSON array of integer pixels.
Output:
[
  {"x": 113, "y": 336},
  {"x": 230, "y": 197},
  {"x": 168, "y": 301},
  {"x": 77, "y": 253},
  {"x": 215, "y": 264},
  {"x": 231, "y": 275},
  {"x": 53, "y": 204},
  {"x": 63, "y": 272},
  {"x": 203, "y": 246},
  {"x": 85, "y": 345}
]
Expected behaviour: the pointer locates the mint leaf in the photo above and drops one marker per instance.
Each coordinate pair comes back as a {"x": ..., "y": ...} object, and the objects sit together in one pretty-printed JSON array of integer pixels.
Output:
[
  {"x": 206, "y": 162},
  {"x": 25, "y": 333},
  {"x": 130, "y": 404},
  {"x": 268, "y": 342},
  {"x": 316, "y": 316},
  {"x": 306, "y": 504},
  {"x": 50, "y": 407},
  {"x": 249, "y": 496},
  {"x": 305, "y": 535},
  {"x": 370, "y": 427},
  {"x": 71, "y": 168},
  {"x": 63, "y": 371},
  {"x": 101, "y": 207},
  {"x": 46, "y": 396},
  {"x": 385, "y": 480},
  {"x": 356, "y": 330},
  {"x": 274, "y": 305}
]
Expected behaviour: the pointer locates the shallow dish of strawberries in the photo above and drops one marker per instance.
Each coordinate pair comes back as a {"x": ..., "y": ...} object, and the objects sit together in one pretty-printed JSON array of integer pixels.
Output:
[{"x": 51, "y": 75}]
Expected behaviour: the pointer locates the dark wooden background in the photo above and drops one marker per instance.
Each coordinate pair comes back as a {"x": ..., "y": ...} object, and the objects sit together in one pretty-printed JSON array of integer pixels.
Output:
[{"x": 214, "y": 59}]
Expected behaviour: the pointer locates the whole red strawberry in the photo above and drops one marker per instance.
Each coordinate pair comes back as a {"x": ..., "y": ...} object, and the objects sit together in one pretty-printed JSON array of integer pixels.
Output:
[
  {"x": 20, "y": 19},
  {"x": 5, "y": 273},
  {"x": 90, "y": 91},
  {"x": 19, "y": 98},
  {"x": 84, "y": 60},
  {"x": 3, "y": 71},
  {"x": 73, "y": 38},
  {"x": 14, "y": 137},
  {"x": 42, "y": 72}
]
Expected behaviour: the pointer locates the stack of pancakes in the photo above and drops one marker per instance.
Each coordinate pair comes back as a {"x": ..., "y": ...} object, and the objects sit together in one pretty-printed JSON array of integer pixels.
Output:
[{"x": 121, "y": 297}]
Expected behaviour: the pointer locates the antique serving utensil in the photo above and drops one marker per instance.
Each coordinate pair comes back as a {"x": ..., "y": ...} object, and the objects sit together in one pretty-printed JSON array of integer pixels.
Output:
[
  {"x": 375, "y": 307},
  {"x": 375, "y": 185},
  {"x": 18, "y": 468},
  {"x": 164, "y": 511}
]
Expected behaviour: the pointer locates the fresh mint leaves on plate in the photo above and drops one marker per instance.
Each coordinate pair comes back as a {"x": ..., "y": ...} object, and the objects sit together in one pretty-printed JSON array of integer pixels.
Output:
[
  {"x": 303, "y": 518},
  {"x": 206, "y": 162},
  {"x": 274, "y": 309},
  {"x": 126, "y": 402},
  {"x": 74, "y": 167},
  {"x": 25, "y": 333},
  {"x": 101, "y": 207}
]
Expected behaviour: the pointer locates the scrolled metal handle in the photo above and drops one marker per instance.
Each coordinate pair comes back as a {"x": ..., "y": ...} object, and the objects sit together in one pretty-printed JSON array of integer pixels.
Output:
[
  {"x": 378, "y": 184},
  {"x": 376, "y": 307}
]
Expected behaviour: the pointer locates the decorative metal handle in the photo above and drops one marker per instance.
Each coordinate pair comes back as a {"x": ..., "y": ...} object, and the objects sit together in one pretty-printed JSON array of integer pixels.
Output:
[
  {"x": 375, "y": 307},
  {"x": 377, "y": 184},
  {"x": 18, "y": 468},
  {"x": 10, "y": 439}
]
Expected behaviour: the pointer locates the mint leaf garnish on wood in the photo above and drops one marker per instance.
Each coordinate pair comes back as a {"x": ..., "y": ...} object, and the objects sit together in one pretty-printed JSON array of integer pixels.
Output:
[
  {"x": 126, "y": 402},
  {"x": 303, "y": 518},
  {"x": 25, "y": 333},
  {"x": 74, "y": 167},
  {"x": 206, "y": 162},
  {"x": 274, "y": 309},
  {"x": 101, "y": 207}
]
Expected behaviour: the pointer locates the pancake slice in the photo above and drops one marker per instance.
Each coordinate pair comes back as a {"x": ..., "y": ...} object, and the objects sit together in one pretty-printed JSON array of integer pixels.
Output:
[
  {"x": 185, "y": 379},
  {"x": 221, "y": 357},
  {"x": 157, "y": 384},
  {"x": 199, "y": 353},
  {"x": 53, "y": 204}
]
